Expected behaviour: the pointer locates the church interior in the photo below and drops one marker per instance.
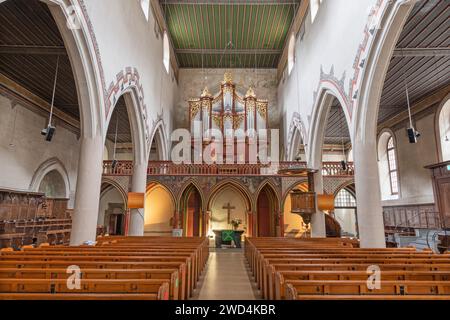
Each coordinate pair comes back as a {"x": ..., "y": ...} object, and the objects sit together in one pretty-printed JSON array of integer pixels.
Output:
[{"x": 224, "y": 150}]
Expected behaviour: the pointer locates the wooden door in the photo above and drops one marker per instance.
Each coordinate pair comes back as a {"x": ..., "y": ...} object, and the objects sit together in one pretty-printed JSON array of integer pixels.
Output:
[{"x": 263, "y": 215}]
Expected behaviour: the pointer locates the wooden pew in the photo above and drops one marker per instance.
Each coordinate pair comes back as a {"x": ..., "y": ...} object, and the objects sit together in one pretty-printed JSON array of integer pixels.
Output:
[
  {"x": 115, "y": 266},
  {"x": 178, "y": 261},
  {"x": 132, "y": 274},
  {"x": 330, "y": 288},
  {"x": 283, "y": 277},
  {"x": 323, "y": 269},
  {"x": 89, "y": 286}
]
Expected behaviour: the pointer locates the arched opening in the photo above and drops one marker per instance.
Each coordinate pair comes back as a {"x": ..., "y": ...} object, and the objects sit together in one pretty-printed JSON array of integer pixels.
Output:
[
  {"x": 387, "y": 166},
  {"x": 337, "y": 143},
  {"x": 266, "y": 213},
  {"x": 297, "y": 147},
  {"x": 228, "y": 204},
  {"x": 444, "y": 130},
  {"x": 291, "y": 53},
  {"x": 157, "y": 148},
  {"x": 159, "y": 211},
  {"x": 345, "y": 211},
  {"x": 53, "y": 185},
  {"x": 119, "y": 136},
  {"x": 293, "y": 223},
  {"x": 192, "y": 212},
  {"x": 112, "y": 210}
]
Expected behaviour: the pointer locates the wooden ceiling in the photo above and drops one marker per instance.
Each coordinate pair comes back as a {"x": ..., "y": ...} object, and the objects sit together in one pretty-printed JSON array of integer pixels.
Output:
[
  {"x": 29, "y": 45},
  {"x": 336, "y": 131},
  {"x": 421, "y": 59},
  {"x": 228, "y": 33},
  {"x": 120, "y": 119}
]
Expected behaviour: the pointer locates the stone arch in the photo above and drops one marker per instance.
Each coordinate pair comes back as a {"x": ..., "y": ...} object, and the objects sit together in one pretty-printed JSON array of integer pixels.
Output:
[
  {"x": 290, "y": 188},
  {"x": 186, "y": 185},
  {"x": 159, "y": 135},
  {"x": 108, "y": 214},
  {"x": 119, "y": 188},
  {"x": 85, "y": 61},
  {"x": 442, "y": 112},
  {"x": 271, "y": 185},
  {"x": 349, "y": 185},
  {"x": 47, "y": 166},
  {"x": 233, "y": 183},
  {"x": 370, "y": 86},
  {"x": 326, "y": 95},
  {"x": 137, "y": 121},
  {"x": 153, "y": 183},
  {"x": 160, "y": 209},
  {"x": 296, "y": 134},
  {"x": 371, "y": 64}
]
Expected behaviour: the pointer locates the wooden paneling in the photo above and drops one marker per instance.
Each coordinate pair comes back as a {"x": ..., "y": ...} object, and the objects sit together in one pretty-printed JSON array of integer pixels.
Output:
[{"x": 412, "y": 216}]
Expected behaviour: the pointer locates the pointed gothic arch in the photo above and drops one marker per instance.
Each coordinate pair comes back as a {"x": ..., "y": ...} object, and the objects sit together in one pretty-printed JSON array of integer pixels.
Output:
[
  {"x": 327, "y": 94},
  {"x": 159, "y": 140},
  {"x": 192, "y": 213},
  {"x": 52, "y": 164},
  {"x": 159, "y": 210},
  {"x": 267, "y": 222}
]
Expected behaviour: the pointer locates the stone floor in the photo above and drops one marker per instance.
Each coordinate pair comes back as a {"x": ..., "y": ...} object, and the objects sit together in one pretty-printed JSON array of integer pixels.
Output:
[{"x": 226, "y": 277}]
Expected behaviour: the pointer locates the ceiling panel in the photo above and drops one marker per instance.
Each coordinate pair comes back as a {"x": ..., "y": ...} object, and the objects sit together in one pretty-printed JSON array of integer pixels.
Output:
[
  {"x": 427, "y": 27},
  {"x": 29, "y": 45},
  {"x": 228, "y": 34}
]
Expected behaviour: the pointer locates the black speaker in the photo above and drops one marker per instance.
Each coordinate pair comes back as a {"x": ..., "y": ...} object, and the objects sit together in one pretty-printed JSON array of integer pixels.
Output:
[
  {"x": 48, "y": 133},
  {"x": 412, "y": 135}
]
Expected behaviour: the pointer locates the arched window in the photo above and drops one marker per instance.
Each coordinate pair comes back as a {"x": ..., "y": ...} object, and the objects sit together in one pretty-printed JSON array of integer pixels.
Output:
[
  {"x": 166, "y": 52},
  {"x": 392, "y": 165},
  {"x": 444, "y": 130},
  {"x": 291, "y": 54},
  {"x": 314, "y": 7},
  {"x": 345, "y": 212},
  {"x": 145, "y": 5},
  {"x": 387, "y": 166}
]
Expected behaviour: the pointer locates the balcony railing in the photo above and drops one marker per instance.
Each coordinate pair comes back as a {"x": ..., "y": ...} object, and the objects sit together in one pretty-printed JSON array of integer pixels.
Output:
[{"x": 160, "y": 168}]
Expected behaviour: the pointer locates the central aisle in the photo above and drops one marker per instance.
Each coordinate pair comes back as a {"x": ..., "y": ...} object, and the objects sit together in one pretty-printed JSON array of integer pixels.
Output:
[{"x": 226, "y": 277}]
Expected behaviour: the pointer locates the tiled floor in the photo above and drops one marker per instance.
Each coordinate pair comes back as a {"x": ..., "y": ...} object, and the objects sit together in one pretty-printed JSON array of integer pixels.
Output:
[{"x": 226, "y": 277}]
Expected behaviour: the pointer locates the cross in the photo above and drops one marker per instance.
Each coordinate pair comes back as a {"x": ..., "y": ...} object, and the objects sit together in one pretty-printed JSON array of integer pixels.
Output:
[{"x": 229, "y": 208}]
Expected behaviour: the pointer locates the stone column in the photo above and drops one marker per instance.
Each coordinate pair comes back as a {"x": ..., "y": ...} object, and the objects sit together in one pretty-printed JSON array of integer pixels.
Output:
[
  {"x": 318, "y": 229},
  {"x": 138, "y": 184},
  {"x": 368, "y": 196},
  {"x": 87, "y": 196}
]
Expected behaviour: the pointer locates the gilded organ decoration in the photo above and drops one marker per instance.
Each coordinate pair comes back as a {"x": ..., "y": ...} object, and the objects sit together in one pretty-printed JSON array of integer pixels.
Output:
[
  {"x": 228, "y": 109},
  {"x": 235, "y": 115}
]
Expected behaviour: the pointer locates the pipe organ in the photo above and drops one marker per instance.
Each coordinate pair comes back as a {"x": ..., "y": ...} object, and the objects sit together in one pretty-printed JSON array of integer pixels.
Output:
[{"x": 228, "y": 117}]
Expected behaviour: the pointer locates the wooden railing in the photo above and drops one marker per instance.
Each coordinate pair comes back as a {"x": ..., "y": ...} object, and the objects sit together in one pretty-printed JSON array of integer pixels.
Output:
[{"x": 160, "y": 168}]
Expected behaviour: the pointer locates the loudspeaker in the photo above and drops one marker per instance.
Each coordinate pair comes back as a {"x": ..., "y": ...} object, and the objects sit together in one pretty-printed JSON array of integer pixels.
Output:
[
  {"x": 48, "y": 133},
  {"x": 412, "y": 135}
]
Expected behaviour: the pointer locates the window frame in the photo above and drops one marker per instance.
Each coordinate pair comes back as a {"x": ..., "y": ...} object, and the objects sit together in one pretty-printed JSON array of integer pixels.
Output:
[
  {"x": 166, "y": 52},
  {"x": 391, "y": 150}
]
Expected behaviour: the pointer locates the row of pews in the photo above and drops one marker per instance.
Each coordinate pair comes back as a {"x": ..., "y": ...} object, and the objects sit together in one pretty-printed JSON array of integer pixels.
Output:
[
  {"x": 116, "y": 268},
  {"x": 326, "y": 268},
  {"x": 18, "y": 233},
  {"x": 32, "y": 218}
]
